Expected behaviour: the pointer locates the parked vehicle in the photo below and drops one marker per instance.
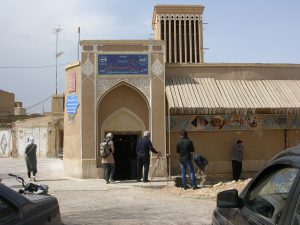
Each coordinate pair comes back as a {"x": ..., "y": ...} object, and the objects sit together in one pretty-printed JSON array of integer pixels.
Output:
[
  {"x": 30, "y": 206},
  {"x": 271, "y": 197}
]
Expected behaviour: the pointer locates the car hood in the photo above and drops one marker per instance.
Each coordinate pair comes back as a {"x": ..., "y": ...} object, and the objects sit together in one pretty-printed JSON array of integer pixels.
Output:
[
  {"x": 41, "y": 201},
  {"x": 37, "y": 198}
]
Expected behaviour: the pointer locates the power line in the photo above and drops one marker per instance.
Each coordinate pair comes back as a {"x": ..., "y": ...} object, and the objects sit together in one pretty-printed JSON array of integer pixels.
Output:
[
  {"x": 33, "y": 106},
  {"x": 32, "y": 67}
]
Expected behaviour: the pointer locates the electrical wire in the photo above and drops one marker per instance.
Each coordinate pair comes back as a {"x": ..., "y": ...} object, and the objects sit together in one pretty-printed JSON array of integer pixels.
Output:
[
  {"x": 32, "y": 67},
  {"x": 33, "y": 106}
]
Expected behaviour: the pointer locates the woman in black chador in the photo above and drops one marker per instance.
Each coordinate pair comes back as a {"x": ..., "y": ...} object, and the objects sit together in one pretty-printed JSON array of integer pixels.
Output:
[{"x": 30, "y": 157}]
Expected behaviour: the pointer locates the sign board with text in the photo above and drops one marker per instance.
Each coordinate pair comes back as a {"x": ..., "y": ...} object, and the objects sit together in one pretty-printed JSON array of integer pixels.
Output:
[
  {"x": 122, "y": 64},
  {"x": 72, "y": 104}
]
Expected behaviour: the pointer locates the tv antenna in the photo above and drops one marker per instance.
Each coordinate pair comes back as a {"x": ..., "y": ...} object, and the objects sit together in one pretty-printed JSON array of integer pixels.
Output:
[{"x": 59, "y": 28}]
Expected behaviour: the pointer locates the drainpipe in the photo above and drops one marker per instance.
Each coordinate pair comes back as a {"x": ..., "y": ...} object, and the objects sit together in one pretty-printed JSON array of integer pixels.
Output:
[{"x": 169, "y": 141}]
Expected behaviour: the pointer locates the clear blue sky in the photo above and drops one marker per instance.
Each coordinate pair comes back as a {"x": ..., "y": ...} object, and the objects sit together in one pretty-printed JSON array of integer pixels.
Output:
[{"x": 238, "y": 31}]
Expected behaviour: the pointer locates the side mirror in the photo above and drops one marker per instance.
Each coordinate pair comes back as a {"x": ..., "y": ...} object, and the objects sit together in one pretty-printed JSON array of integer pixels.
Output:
[{"x": 228, "y": 199}]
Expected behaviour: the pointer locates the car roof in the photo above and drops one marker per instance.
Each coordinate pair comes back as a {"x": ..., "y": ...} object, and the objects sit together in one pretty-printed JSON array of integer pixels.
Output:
[{"x": 290, "y": 156}]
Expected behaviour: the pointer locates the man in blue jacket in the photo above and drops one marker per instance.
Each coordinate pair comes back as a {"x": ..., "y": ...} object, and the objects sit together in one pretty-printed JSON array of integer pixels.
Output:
[{"x": 143, "y": 148}]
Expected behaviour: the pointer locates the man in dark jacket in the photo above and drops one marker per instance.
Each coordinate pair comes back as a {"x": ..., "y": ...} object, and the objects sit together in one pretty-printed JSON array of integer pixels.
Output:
[
  {"x": 143, "y": 148},
  {"x": 185, "y": 147},
  {"x": 237, "y": 159}
]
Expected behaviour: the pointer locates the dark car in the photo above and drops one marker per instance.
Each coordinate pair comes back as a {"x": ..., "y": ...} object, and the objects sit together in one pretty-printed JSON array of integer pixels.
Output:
[
  {"x": 27, "y": 209},
  {"x": 271, "y": 197}
]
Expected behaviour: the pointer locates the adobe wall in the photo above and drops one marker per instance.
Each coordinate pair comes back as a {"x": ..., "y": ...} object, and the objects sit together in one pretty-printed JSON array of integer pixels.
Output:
[
  {"x": 5, "y": 142},
  {"x": 72, "y": 126},
  {"x": 7, "y": 102},
  {"x": 259, "y": 147}
]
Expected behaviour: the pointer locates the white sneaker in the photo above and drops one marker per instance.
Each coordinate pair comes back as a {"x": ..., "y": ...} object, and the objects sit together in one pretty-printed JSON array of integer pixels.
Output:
[{"x": 33, "y": 178}]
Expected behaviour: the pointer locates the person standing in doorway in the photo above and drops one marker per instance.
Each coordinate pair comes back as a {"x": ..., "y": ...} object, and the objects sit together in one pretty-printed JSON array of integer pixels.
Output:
[
  {"x": 143, "y": 148},
  {"x": 237, "y": 159},
  {"x": 185, "y": 147},
  {"x": 108, "y": 161},
  {"x": 30, "y": 158}
]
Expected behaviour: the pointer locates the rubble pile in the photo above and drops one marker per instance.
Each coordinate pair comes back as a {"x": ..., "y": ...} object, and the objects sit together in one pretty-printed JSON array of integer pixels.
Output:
[
  {"x": 207, "y": 191},
  {"x": 213, "y": 190}
]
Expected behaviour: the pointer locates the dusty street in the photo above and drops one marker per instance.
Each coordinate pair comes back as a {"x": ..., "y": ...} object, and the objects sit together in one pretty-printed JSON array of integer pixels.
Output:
[
  {"x": 131, "y": 205},
  {"x": 94, "y": 202}
]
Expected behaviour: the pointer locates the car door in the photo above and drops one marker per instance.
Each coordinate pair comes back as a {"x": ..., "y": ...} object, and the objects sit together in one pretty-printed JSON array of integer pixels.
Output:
[
  {"x": 8, "y": 212},
  {"x": 266, "y": 200},
  {"x": 293, "y": 215}
]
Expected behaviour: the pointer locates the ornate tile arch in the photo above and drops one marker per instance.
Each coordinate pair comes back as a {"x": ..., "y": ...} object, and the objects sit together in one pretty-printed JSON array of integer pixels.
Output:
[
  {"x": 104, "y": 84},
  {"x": 122, "y": 120}
]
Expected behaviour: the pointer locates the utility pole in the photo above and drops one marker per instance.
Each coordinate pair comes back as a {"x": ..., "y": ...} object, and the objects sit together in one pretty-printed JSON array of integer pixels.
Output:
[
  {"x": 58, "y": 29},
  {"x": 78, "y": 44}
]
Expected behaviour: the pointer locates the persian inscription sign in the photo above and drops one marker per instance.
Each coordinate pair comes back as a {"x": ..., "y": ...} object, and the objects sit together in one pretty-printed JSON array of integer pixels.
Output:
[{"x": 122, "y": 64}]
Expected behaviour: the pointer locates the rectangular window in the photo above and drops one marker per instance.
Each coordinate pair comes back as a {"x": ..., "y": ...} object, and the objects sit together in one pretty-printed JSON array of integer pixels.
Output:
[
  {"x": 182, "y": 41},
  {"x": 172, "y": 41},
  {"x": 193, "y": 41},
  {"x": 197, "y": 41},
  {"x": 167, "y": 40},
  {"x": 188, "y": 41},
  {"x": 162, "y": 30},
  {"x": 177, "y": 41}
]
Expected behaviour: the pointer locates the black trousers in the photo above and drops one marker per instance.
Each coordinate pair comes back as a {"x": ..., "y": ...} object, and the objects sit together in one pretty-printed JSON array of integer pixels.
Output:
[
  {"x": 236, "y": 169},
  {"x": 143, "y": 161}
]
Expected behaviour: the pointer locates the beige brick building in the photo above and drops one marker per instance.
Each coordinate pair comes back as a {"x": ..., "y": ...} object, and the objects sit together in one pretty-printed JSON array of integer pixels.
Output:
[
  {"x": 7, "y": 104},
  {"x": 164, "y": 85}
]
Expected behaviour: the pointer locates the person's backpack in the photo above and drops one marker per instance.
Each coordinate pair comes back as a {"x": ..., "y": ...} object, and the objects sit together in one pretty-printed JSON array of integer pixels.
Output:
[{"x": 105, "y": 149}]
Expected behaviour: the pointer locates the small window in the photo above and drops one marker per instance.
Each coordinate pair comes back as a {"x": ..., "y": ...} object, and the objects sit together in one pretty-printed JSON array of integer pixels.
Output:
[
  {"x": 268, "y": 196},
  {"x": 5, "y": 210}
]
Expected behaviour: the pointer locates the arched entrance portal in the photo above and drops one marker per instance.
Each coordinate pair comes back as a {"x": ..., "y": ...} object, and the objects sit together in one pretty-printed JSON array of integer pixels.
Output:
[
  {"x": 127, "y": 128},
  {"x": 124, "y": 112}
]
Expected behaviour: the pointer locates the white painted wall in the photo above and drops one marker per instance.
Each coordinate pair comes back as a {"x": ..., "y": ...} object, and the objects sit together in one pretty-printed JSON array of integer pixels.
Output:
[
  {"x": 39, "y": 135},
  {"x": 5, "y": 142}
]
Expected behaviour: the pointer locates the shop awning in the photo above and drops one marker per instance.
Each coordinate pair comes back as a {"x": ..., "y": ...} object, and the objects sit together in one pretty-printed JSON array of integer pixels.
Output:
[{"x": 191, "y": 95}]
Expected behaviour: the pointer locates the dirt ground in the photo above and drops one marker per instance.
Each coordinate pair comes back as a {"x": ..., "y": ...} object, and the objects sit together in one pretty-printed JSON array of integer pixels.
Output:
[
  {"x": 91, "y": 201},
  {"x": 208, "y": 191},
  {"x": 128, "y": 204}
]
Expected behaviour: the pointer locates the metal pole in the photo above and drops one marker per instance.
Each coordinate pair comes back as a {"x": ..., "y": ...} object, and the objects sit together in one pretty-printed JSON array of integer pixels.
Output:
[
  {"x": 78, "y": 42},
  {"x": 57, "y": 30}
]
